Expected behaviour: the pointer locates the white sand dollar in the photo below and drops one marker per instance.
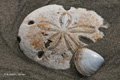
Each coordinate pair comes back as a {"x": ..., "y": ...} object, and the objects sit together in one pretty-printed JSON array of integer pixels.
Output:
[{"x": 50, "y": 34}]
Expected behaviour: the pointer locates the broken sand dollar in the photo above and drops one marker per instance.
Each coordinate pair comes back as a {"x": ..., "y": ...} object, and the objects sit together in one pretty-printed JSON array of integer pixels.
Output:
[
  {"x": 87, "y": 61},
  {"x": 50, "y": 34}
]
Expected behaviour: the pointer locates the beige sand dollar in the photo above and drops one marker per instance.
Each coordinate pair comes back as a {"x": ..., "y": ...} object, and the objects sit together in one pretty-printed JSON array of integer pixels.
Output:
[{"x": 50, "y": 35}]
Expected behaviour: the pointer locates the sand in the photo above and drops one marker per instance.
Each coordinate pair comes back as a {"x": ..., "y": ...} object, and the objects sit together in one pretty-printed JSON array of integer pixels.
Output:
[{"x": 14, "y": 65}]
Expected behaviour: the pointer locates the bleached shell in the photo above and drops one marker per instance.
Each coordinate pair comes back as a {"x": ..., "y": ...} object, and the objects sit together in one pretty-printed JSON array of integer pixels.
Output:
[
  {"x": 87, "y": 61},
  {"x": 50, "y": 34}
]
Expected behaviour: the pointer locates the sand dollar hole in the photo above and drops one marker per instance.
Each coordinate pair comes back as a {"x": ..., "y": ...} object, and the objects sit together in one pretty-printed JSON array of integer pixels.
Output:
[
  {"x": 85, "y": 39},
  {"x": 47, "y": 44},
  {"x": 44, "y": 34},
  {"x": 18, "y": 39},
  {"x": 40, "y": 54},
  {"x": 63, "y": 55},
  {"x": 102, "y": 29},
  {"x": 31, "y": 22}
]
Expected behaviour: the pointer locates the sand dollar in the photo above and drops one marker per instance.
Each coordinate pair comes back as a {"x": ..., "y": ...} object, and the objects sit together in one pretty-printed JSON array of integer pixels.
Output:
[{"x": 50, "y": 34}]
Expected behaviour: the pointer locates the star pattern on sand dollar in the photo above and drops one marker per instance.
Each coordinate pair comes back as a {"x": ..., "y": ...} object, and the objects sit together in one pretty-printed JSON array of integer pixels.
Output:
[{"x": 70, "y": 34}]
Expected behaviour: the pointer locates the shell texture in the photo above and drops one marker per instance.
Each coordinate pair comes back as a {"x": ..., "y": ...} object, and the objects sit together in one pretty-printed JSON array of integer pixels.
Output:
[
  {"x": 50, "y": 34},
  {"x": 87, "y": 61}
]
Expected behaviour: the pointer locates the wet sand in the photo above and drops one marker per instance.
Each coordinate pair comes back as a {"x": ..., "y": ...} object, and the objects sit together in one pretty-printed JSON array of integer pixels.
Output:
[{"x": 14, "y": 65}]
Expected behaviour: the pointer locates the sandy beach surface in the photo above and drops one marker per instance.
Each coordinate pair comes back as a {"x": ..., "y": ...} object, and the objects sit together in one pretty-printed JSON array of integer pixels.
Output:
[{"x": 14, "y": 65}]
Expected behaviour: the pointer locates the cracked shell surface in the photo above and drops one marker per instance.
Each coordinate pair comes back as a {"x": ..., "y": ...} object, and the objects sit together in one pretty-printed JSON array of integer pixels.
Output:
[{"x": 50, "y": 34}]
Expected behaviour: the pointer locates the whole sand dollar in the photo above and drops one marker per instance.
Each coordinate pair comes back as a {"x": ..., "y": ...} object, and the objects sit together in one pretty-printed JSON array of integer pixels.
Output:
[{"x": 50, "y": 34}]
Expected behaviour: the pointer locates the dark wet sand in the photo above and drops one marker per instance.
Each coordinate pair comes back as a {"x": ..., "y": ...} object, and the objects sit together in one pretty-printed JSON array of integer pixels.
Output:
[{"x": 12, "y": 13}]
